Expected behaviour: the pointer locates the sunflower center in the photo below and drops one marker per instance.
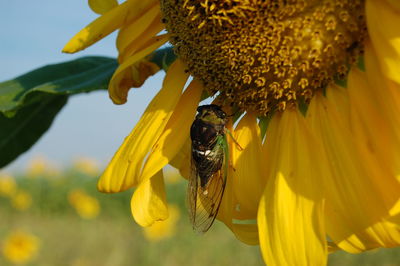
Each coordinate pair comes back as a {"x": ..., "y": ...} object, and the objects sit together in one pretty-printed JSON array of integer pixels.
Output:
[{"x": 262, "y": 55}]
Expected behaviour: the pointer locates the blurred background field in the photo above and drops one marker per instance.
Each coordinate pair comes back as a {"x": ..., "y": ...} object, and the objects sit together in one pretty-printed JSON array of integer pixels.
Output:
[{"x": 51, "y": 216}]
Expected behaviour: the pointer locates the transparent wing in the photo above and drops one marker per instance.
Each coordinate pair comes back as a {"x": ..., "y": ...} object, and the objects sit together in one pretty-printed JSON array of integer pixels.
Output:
[{"x": 204, "y": 202}]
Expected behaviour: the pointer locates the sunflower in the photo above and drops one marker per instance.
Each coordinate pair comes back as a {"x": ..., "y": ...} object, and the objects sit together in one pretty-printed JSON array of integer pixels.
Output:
[{"x": 317, "y": 85}]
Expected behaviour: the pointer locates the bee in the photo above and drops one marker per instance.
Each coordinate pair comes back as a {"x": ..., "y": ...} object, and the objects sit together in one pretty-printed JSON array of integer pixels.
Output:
[{"x": 209, "y": 165}]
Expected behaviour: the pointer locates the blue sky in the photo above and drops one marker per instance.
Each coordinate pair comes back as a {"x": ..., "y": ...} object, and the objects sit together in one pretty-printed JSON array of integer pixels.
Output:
[{"x": 32, "y": 35}]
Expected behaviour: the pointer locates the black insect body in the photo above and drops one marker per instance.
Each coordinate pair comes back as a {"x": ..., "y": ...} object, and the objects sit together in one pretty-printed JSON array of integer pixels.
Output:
[{"x": 209, "y": 166}]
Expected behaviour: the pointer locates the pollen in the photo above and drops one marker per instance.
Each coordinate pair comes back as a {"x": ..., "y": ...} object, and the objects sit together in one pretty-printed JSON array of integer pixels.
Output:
[{"x": 261, "y": 55}]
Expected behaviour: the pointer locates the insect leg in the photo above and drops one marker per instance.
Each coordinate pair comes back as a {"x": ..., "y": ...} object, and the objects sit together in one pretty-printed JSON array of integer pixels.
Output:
[{"x": 234, "y": 140}]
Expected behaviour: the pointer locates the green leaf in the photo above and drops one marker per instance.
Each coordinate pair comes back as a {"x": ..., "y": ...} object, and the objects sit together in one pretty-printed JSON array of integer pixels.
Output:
[
  {"x": 29, "y": 103},
  {"x": 81, "y": 75},
  {"x": 163, "y": 57},
  {"x": 19, "y": 133}
]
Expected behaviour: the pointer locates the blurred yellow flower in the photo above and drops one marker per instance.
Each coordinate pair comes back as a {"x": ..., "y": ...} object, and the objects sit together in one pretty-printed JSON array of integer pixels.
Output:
[
  {"x": 21, "y": 200},
  {"x": 87, "y": 166},
  {"x": 85, "y": 205},
  {"x": 40, "y": 166},
  {"x": 163, "y": 229},
  {"x": 8, "y": 186},
  {"x": 20, "y": 247}
]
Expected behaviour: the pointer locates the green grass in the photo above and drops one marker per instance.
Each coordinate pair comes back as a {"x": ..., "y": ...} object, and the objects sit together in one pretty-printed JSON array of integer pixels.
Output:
[{"x": 114, "y": 239}]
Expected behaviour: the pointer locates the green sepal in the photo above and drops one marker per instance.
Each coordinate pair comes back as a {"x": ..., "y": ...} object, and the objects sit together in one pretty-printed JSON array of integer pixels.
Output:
[
  {"x": 340, "y": 82},
  {"x": 263, "y": 122},
  {"x": 361, "y": 63}
]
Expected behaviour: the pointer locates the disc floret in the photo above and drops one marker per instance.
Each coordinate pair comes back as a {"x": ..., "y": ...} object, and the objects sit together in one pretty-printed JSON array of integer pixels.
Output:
[{"x": 266, "y": 55}]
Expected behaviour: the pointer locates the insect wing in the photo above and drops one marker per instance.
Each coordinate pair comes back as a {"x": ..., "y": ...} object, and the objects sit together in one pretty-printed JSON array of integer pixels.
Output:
[{"x": 204, "y": 202}]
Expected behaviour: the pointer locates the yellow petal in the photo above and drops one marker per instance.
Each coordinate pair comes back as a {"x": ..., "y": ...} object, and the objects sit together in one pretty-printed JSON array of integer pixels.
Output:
[
  {"x": 290, "y": 215},
  {"x": 124, "y": 169},
  {"x": 141, "y": 71},
  {"x": 142, "y": 41},
  {"x": 139, "y": 29},
  {"x": 176, "y": 131},
  {"x": 107, "y": 23},
  {"x": 386, "y": 95},
  {"x": 134, "y": 77},
  {"x": 383, "y": 21},
  {"x": 102, "y": 6},
  {"x": 249, "y": 175},
  {"x": 247, "y": 233},
  {"x": 359, "y": 194},
  {"x": 182, "y": 160},
  {"x": 163, "y": 229},
  {"x": 339, "y": 98},
  {"x": 367, "y": 124},
  {"x": 395, "y": 4},
  {"x": 149, "y": 202},
  {"x": 119, "y": 87}
]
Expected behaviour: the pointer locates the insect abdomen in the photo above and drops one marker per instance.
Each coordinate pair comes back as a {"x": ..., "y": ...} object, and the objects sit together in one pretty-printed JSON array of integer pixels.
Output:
[{"x": 206, "y": 157}]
